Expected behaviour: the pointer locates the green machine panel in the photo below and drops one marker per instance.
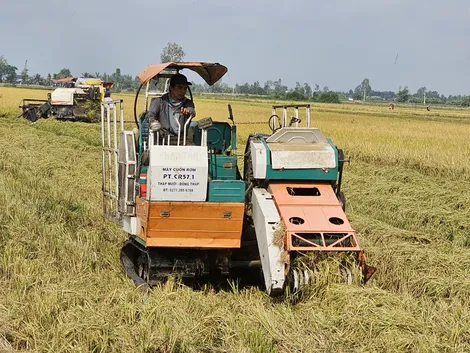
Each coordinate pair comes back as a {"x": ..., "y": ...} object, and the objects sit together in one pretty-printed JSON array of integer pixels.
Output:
[
  {"x": 222, "y": 167},
  {"x": 226, "y": 191},
  {"x": 219, "y": 135}
]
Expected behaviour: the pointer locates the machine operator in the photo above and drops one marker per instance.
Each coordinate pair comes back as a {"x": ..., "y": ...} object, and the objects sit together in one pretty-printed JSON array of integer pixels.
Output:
[{"x": 164, "y": 111}]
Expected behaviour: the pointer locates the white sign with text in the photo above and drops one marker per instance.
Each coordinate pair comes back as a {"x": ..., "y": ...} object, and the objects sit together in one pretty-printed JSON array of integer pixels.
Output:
[{"x": 178, "y": 173}]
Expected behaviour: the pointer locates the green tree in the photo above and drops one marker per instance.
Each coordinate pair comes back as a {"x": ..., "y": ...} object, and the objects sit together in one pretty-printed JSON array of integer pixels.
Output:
[
  {"x": 24, "y": 76},
  {"x": 64, "y": 73},
  {"x": 421, "y": 94},
  {"x": 117, "y": 79},
  {"x": 365, "y": 88},
  {"x": 37, "y": 79},
  {"x": 3, "y": 67},
  {"x": 172, "y": 52},
  {"x": 298, "y": 88},
  {"x": 11, "y": 74},
  {"x": 329, "y": 97},
  {"x": 279, "y": 89},
  {"x": 357, "y": 93},
  {"x": 295, "y": 95},
  {"x": 403, "y": 95},
  {"x": 7, "y": 72},
  {"x": 307, "y": 89},
  {"x": 268, "y": 87},
  {"x": 421, "y": 91}
]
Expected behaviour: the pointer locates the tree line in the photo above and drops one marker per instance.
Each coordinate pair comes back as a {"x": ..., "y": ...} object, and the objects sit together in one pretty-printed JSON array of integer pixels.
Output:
[{"x": 270, "y": 89}]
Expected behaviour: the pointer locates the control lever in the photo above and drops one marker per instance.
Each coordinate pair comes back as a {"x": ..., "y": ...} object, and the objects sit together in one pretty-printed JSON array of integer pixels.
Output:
[
  {"x": 205, "y": 123},
  {"x": 294, "y": 120},
  {"x": 230, "y": 114}
]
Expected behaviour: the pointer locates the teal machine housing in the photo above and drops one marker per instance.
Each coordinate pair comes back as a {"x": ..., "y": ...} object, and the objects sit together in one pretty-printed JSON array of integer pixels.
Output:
[{"x": 225, "y": 182}]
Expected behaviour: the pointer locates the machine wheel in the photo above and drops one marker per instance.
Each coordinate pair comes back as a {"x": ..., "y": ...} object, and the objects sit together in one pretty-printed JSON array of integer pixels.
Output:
[
  {"x": 30, "y": 114},
  {"x": 346, "y": 274},
  {"x": 143, "y": 268},
  {"x": 130, "y": 258},
  {"x": 297, "y": 280}
]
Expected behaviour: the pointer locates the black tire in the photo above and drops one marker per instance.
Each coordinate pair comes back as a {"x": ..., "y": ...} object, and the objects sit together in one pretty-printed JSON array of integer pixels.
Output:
[{"x": 31, "y": 115}]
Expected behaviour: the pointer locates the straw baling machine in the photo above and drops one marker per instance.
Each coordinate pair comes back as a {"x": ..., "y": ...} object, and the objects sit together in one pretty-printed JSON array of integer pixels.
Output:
[
  {"x": 78, "y": 100},
  {"x": 190, "y": 213}
]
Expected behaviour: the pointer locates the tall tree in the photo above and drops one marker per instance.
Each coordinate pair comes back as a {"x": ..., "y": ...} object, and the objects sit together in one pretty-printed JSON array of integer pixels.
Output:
[
  {"x": 307, "y": 90},
  {"x": 298, "y": 88},
  {"x": 172, "y": 52},
  {"x": 117, "y": 78},
  {"x": 7, "y": 72},
  {"x": 421, "y": 93},
  {"x": 403, "y": 95},
  {"x": 365, "y": 88},
  {"x": 268, "y": 87},
  {"x": 37, "y": 79},
  {"x": 24, "y": 76},
  {"x": 10, "y": 76},
  {"x": 358, "y": 92}
]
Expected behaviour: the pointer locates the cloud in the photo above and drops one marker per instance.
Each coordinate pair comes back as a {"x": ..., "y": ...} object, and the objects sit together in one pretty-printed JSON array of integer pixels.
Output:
[{"x": 335, "y": 43}]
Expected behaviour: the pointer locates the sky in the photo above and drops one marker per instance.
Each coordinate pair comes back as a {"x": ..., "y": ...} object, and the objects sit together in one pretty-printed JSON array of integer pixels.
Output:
[{"x": 334, "y": 43}]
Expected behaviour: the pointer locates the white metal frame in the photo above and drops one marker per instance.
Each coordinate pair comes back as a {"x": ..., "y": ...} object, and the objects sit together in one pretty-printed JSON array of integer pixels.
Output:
[
  {"x": 150, "y": 93},
  {"x": 110, "y": 155},
  {"x": 296, "y": 107},
  {"x": 152, "y": 137},
  {"x": 267, "y": 220}
]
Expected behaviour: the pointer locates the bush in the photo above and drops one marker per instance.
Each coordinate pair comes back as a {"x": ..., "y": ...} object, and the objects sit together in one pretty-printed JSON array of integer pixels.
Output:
[
  {"x": 295, "y": 96},
  {"x": 329, "y": 97}
]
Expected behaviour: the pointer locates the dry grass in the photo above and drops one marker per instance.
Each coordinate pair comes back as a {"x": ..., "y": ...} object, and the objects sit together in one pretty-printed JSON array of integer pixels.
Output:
[
  {"x": 278, "y": 235},
  {"x": 62, "y": 288}
]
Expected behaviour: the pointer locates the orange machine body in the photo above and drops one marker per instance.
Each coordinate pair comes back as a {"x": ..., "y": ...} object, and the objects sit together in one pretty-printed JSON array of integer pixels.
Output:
[
  {"x": 313, "y": 217},
  {"x": 211, "y": 225}
]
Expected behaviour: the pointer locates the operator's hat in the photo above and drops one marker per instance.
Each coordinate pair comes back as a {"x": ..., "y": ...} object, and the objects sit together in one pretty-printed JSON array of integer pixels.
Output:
[{"x": 179, "y": 79}]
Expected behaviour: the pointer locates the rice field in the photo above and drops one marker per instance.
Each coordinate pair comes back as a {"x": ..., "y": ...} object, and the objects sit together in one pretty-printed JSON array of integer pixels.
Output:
[{"x": 62, "y": 288}]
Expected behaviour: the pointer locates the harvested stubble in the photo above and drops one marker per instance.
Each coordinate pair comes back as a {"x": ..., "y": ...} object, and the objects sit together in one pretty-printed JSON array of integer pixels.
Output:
[{"x": 62, "y": 288}]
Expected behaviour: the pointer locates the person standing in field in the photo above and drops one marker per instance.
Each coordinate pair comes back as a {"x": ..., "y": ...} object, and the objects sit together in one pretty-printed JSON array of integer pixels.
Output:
[
  {"x": 107, "y": 97},
  {"x": 165, "y": 111}
]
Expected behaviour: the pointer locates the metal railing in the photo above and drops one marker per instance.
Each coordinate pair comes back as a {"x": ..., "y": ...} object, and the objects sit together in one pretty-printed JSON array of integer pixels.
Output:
[
  {"x": 295, "y": 119},
  {"x": 110, "y": 124},
  {"x": 156, "y": 93},
  {"x": 161, "y": 141}
]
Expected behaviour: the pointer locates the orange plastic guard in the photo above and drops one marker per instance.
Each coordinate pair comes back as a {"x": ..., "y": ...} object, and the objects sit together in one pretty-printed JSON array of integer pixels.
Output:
[{"x": 313, "y": 217}]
